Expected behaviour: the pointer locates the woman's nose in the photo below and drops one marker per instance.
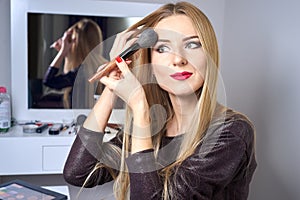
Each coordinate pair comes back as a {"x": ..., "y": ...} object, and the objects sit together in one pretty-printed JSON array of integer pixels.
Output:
[{"x": 179, "y": 60}]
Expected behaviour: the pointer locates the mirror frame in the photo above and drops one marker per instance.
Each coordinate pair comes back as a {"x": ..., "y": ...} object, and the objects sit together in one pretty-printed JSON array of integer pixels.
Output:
[{"x": 19, "y": 51}]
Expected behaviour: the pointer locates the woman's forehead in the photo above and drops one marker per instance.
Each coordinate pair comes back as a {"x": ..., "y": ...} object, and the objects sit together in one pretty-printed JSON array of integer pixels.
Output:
[
  {"x": 166, "y": 35},
  {"x": 180, "y": 24}
]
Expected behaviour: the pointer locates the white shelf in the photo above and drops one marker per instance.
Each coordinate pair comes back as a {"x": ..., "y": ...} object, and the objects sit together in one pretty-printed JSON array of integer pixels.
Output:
[
  {"x": 33, "y": 153},
  {"x": 36, "y": 153}
]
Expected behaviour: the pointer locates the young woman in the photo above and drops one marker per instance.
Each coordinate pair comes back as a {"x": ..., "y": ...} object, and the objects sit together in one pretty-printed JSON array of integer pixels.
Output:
[
  {"x": 178, "y": 142},
  {"x": 77, "y": 43}
]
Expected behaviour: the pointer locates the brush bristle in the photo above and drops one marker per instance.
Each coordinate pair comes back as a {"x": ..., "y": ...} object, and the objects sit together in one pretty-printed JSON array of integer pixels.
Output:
[{"x": 148, "y": 38}]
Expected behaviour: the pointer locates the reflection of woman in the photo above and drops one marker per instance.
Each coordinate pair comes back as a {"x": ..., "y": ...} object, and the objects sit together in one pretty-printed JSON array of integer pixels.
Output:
[
  {"x": 178, "y": 141},
  {"x": 77, "y": 42}
]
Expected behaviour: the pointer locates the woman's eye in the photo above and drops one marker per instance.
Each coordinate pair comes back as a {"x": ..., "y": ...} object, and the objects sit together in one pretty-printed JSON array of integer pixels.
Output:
[
  {"x": 162, "y": 49},
  {"x": 193, "y": 45}
]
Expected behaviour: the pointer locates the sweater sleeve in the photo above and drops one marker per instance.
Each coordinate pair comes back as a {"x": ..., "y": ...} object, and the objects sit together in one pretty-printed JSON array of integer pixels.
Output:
[
  {"x": 86, "y": 152},
  {"x": 206, "y": 174},
  {"x": 145, "y": 182},
  {"x": 52, "y": 80}
]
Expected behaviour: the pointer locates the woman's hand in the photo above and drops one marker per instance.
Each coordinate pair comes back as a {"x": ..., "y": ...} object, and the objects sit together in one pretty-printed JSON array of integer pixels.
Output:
[
  {"x": 67, "y": 42},
  {"x": 57, "y": 44},
  {"x": 64, "y": 43},
  {"x": 63, "y": 46},
  {"x": 98, "y": 117},
  {"x": 124, "y": 84},
  {"x": 123, "y": 41}
]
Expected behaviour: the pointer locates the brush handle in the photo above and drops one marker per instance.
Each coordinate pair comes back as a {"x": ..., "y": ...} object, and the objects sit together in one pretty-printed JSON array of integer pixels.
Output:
[{"x": 103, "y": 72}]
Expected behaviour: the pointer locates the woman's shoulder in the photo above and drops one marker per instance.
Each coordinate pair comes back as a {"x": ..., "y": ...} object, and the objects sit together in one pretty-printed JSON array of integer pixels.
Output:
[
  {"x": 231, "y": 123},
  {"x": 239, "y": 125}
]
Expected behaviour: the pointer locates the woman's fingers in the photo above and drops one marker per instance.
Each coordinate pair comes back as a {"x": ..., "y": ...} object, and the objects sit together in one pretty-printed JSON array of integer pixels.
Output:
[
  {"x": 124, "y": 83},
  {"x": 109, "y": 82},
  {"x": 122, "y": 65},
  {"x": 57, "y": 44},
  {"x": 116, "y": 74},
  {"x": 122, "y": 41}
]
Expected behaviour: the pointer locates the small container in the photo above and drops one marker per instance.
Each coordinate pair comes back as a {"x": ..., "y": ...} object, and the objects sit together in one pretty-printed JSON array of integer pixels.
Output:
[{"x": 5, "y": 110}]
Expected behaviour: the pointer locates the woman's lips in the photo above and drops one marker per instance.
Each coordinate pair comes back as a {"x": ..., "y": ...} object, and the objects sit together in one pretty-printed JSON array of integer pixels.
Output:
[{"x": 181, "y": 75}]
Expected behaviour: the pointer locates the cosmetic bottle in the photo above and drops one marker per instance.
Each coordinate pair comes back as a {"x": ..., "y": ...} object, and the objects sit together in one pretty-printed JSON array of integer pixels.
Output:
[{"x": 5, "y": 110}]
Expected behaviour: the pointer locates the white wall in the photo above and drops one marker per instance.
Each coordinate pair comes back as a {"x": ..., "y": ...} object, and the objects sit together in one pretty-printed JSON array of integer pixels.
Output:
[
  {"x": 5, "y": 70},
  {"x": 261, "y": 68}
]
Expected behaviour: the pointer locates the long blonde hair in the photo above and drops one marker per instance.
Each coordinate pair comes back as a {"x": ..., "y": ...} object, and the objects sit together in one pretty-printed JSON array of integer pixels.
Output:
[
  {"x": 155, "y": 95},
  {"x": 87, "y": 34},
  {"x": 86, "y": 53}
]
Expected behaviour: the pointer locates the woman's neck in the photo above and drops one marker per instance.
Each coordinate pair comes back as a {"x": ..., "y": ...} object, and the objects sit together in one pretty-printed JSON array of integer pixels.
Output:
[
  {"x": 69, "y": 65},
  {"x": 184, "y": 108}
]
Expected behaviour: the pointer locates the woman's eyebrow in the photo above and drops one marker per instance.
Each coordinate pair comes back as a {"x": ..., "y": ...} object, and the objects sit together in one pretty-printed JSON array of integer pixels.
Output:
[
  {"x": 184, "y": 39},
  {"x": 190, "y": 37},
  {"x": 163, "y": 40}
]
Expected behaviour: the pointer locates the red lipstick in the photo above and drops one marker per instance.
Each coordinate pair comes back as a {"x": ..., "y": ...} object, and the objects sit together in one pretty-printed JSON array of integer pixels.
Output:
[{"x": 181, "y": 75}]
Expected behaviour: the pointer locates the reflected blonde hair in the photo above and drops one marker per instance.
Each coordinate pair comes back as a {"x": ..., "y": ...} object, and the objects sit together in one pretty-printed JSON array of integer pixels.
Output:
[
  {"x": 87, "y": 34},
  {"x": 87, "y": 53},
  {"x": 155, "y": 95}
]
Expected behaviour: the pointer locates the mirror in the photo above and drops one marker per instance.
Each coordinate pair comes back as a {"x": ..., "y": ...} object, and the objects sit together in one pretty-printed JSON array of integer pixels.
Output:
[
  {"x": 23, "y": 64},
  {"x": 44, "y": 29}
]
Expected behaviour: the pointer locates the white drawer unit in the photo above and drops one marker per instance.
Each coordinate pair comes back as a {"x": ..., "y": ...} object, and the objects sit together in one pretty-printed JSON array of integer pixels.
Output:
[
  {"x": 33, "y": 153},
  {"x": 54, "y": 157}
]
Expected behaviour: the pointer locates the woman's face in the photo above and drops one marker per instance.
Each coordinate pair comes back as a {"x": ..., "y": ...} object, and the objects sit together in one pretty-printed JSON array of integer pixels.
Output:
[{"x": 178, "y": 59}]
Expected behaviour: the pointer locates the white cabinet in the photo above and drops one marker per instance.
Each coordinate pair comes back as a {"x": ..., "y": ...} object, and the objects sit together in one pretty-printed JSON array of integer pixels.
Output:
[
  {"x": 33, "y": 153},
  {"x": 54, "y": 157}
]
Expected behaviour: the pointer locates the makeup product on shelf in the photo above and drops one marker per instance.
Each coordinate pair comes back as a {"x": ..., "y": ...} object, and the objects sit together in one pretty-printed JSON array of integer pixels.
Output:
[
  {"x": 41, "y": 128},
  {"x": 30, "y": 128},
  {"x": 5, "y": 110},
  {"x": 55, "y": 129}
]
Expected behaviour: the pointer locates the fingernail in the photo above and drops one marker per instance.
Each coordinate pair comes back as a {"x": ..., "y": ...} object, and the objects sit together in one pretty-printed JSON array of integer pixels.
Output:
[{"x": 118, "y": 59}]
